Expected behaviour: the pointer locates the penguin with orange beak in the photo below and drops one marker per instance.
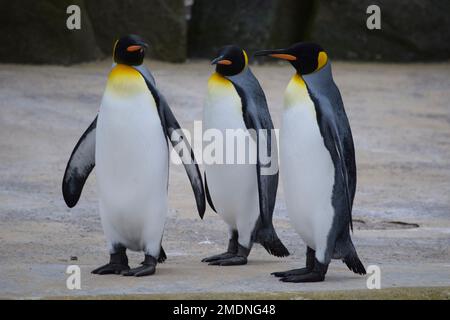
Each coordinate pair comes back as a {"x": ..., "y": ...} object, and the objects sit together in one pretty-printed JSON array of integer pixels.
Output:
[
  {"x": 317, "y": 158},
  {"x": 127, "y": 143},
  {"x": 243, "y": 194}
]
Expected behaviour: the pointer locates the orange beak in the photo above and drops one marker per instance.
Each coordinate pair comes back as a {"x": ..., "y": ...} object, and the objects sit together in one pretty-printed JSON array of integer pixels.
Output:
[
  {"x": 283, "y": 56},
  {"x": 134, "y": 48},
  {"x": 224, "y": 62},
  {"x": 277, "y": 53}
]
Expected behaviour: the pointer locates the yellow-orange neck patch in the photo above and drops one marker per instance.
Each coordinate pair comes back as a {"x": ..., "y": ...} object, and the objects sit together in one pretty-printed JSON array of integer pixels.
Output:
[
  {"x": 245, "y": 57},
  {"x": 217, "y": 81},
  {"x": 297, "y": 95},
  {"x": 125, "y": 80},
  {"x": 222, "y": 92},
  {"x": 321, "y": 60}
]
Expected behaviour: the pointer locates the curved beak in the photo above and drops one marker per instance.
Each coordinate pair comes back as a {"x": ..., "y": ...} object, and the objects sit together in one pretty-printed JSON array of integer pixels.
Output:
[
  {"x": 276, "y": 53},
  {"x": 221, "y": 60},
  {"x": 137, "y": 47}
]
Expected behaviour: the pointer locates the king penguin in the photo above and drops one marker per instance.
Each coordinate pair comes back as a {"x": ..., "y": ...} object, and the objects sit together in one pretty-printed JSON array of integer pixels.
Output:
[
  {"x": 317, "y": 158},
  {"x": 243, "y": 194},
  {"x": 127, "y": 144}
]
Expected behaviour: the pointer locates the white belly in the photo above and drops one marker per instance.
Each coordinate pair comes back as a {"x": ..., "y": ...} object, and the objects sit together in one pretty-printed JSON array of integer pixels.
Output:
[
  {"x": 131, "y": 168},
  {"x": 233, "y": 185},
  {"x": 307, "y": 172}
]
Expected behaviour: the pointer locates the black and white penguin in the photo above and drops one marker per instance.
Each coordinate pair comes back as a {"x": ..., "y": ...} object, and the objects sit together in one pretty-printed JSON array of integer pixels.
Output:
[
  {"x": 317, "y": 160},
  {"x": 127, "y": 143},
  {"x": 243, "y": 194}
]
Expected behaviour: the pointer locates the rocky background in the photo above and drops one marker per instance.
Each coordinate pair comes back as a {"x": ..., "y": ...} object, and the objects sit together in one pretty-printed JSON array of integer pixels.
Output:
[{"x": 34, "y": 31}]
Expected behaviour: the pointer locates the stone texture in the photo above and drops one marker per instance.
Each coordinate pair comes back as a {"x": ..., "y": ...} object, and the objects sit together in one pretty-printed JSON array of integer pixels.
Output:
[
  {"x": 410, "y": 30},
  {"x": 35, "y": 32},
  {"x": 161, "y": 22},
  {"x": 253, "y": 25}
]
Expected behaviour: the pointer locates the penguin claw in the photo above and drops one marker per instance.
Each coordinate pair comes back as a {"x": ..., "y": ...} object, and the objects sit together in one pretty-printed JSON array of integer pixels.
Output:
[
  {"x": 293, "y": 272},
  {"x": 231, "y": 261},
  {"x": 145, "y": 270},
  {"x": 111, "y": 268},
  {"x": 308, "y": 277},
  {"x": 216, "y": 257}
]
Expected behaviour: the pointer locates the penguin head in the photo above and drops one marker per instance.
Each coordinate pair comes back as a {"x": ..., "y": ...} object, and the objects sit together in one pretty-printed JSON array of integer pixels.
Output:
[
  {"x": 230, "y": 60},
  {"x": 305, "y": 57},
  {"x": 129, "y": 50}
]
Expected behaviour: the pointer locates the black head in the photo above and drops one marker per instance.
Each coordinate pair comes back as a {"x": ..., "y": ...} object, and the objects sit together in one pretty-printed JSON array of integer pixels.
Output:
[
  {"x": 230, "y": 60},
  {"x": 306, "y": 57},
  {"x": 129, "y": 50}
]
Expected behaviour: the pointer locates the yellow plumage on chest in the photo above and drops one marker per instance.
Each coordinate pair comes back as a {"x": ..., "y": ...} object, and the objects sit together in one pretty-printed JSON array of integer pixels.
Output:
[
  {"x": 296, "y": 94},
  {"x": 125, "y": 81},
  {"x": 218, "y": 84},
  {"x": 221, "y": 91}
]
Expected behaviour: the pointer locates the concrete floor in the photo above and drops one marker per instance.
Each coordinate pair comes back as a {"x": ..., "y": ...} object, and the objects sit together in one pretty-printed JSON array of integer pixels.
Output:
[{"x": 400, "y": 116}]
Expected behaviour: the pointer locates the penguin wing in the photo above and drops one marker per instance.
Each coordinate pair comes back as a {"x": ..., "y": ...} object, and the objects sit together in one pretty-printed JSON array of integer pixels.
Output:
[
  {"x": 173, "y": 131},
  {"x": 334, "y": 140},
  {"x": 180, "y": 144},
  {"x": 208, "y": 195},
  {"x": 80, "y": 165},
  {"x": 347, "y": 139},
  {"x": 257, "y": 117}
]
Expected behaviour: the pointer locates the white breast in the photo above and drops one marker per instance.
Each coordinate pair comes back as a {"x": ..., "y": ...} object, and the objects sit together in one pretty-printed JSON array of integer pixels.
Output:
[
  {"x": 131, "y": 167},
  {"x": 307, "y": 169},
  {"x": 233, "y": 187}
]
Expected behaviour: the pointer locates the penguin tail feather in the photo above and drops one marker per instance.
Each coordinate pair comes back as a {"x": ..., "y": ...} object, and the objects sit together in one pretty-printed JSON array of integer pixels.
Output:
[
  {"x": 353, "y": 263},
  {"x": 270, "y": 241},
  {"x": 162, "y": 256}
]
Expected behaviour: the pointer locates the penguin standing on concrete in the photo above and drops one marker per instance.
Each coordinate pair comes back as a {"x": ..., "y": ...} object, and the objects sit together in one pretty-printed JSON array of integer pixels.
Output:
[
  {"x": 317, "y": 159},
  {"x": 243, "y": 194},
  {"x": 127, "y": 143}
]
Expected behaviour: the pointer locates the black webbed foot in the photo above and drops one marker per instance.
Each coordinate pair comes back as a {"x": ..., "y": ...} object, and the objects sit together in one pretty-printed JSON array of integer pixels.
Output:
[
  {"x": 317, "y": 274},
  {"x": 237, "y": 259},
  {"x": 118, "y": 263},
  {"x": 234, "y": 260},
  {"x": 111, "y": 268},
  {"x": 231, "y": 251},
  {"x": 293, "y": 272},
  {"x": 148, "y": 268},
  {"x": 225, "y": 255},
  {"x": 308, "y": 277},
  {"x": 310, "y": 261}
]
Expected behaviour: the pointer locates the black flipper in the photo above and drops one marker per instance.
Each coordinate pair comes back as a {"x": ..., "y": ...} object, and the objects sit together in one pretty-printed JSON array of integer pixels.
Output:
[
  {"x": 333, "y": 142},
  {"x": 80, "y": 165},
  {"x": 352, "y": 260},
  {"x": 179, "y": 142},
  {"x": 208, "y": 196},
  {"x": 257, "y": 117},
  {"x": 337, "y": 134}
]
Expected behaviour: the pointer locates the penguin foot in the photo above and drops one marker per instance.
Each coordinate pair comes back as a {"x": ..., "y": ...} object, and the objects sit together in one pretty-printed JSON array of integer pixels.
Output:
[
  {"x": 118, "y": 262},
  {"x": 140, "y": 271},
  {"x": 293, "y": 272},
  {"x": 236, "y": 259},
  {"x": 221, "y": 256},
  {"x": 148, "y": 268},
  {"x": 111, "y": 268},
  {"x": 231, "y": 261},
  {"x": 316, "y": 274},
  {"x": 308, "y": 277}
]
